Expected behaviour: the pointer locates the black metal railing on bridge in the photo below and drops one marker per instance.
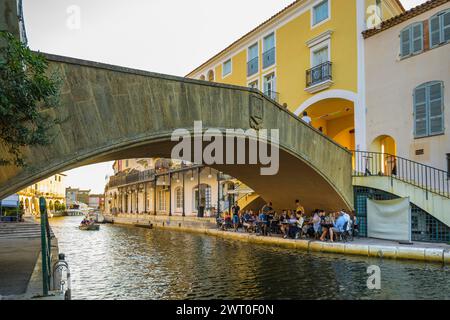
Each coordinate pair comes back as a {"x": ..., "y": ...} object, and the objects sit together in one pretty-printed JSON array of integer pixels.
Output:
[
  {"x": 318, "y": 74},
  {"x": 432, "y": 180}
]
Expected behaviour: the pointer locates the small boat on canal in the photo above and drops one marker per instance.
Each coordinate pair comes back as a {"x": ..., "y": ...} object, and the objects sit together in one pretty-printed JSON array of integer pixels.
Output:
[
  {"x": 88, "y": 224},
  {"x": 90, "y": 227}
]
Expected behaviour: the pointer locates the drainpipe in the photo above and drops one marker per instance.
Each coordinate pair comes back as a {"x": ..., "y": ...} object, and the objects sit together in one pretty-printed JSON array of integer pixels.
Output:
[
  {"x": 184, "y": 194},
  {"x": 170, "y": 194},
  {"x": 145, "y": 198},
  {"x": 198, "y": 188},
  {"x": 154, "y": 197}
]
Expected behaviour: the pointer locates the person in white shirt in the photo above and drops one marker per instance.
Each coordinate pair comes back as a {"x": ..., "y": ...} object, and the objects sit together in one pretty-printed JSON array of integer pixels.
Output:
[{"x": 306, "y": 118}]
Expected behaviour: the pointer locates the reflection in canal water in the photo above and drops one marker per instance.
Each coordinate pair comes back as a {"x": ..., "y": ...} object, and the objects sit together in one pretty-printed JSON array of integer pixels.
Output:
[{"x": 130, "y": 263}]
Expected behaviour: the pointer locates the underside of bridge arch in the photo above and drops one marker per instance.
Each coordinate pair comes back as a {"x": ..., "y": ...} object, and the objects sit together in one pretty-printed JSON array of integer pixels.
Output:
[{"x": 113, "y": 113}]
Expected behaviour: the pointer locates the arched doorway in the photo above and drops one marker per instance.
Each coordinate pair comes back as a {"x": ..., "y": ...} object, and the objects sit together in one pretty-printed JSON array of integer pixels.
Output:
[
  {"x": 335, "y": 117},
  {"x": 384, "y": 149}
]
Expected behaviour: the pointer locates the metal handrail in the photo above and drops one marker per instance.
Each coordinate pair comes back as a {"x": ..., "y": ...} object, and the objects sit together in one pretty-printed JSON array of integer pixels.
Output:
[
  {"x": 430, "y": 179},
  {"x": 319, "y": 73}
]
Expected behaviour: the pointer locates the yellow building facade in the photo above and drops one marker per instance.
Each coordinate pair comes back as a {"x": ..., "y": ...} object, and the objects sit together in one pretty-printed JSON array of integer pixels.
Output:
[
  {"x": 306, "y": 59},
  {"x": 52, "y": 189}
]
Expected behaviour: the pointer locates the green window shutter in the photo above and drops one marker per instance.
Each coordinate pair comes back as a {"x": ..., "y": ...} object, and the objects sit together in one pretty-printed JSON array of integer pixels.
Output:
[
  {"x": 435, "y": 32},
  {"x": 420, "y": 112},
  {"x": 417, "y": 38},
  {"x": 405, "y": 39},
  {"x": 446, "y": 26},
  {"x": 436, "y": 113}
]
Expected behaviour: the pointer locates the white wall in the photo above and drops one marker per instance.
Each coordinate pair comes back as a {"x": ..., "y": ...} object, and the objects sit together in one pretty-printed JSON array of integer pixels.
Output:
[{"x": 390, "y": 83}]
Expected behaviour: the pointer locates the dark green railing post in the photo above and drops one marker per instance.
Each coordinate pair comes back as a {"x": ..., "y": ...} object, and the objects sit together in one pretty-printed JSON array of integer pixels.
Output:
[{"x": 43, "y": 210}]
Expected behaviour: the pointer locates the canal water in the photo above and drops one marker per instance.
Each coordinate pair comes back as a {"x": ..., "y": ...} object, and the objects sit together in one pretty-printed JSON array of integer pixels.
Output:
[{"x": 120, "y": 262}]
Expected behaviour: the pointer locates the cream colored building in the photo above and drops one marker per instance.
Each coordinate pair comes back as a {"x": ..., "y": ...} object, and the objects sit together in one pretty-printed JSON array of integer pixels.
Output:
[
  {"x": 169, "y": 187},
  {"x": 52, "y": 189},
  {"x": 408, "y": 86}
]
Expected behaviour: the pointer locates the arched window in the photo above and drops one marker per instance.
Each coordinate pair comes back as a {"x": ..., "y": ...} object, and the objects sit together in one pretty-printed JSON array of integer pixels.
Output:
[
  {"x": 179, "y": 198},
  {"x": 202, "y": 77},
  {"x": 429, "y": 109},
  {"x": 210, "y": 75},
  {"x": 205, "y": 196},
  {"x": 411, "y": 39},
  {"x": 440, "y": 28}
]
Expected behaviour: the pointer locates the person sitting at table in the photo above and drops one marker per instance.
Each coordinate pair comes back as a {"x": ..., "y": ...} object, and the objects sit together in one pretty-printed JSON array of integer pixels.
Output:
[
  {"x": 326, "y": 223},
  {"x": 293, "y": 226},
  {"x": 227, "y": 221},
  {"x": 301, "y": 225},
  {"x": 247, "y": 221},
  {"x": 316, "y": 223},
  {"x": 338, "y": 226},
  {"x": 284, "y": 226}
]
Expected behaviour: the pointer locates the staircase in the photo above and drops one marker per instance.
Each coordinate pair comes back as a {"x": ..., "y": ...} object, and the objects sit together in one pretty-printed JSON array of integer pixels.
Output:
[
  {"x": 20, "y": 230},
  {"x": 427, "y": 187},
  {"x": 247, "y": 198}
]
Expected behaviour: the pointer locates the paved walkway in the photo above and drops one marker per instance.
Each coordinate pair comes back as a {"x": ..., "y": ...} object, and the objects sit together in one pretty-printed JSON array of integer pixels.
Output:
[{"x": 17, "y": 260}]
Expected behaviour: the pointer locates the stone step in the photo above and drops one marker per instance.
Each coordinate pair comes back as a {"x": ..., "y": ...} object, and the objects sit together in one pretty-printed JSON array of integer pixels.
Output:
[{"x": 21, "y": 230}]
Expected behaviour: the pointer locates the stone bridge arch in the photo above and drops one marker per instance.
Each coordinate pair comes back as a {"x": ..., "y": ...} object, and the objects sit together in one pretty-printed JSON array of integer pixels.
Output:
[{"x": 116, "y": 113}]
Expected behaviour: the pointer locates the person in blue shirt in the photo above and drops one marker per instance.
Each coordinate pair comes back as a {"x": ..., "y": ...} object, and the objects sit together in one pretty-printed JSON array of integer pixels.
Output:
[
  {"x": 236, "y": 222},
  {"x": 263, "y": 221},
  {"x": 338, "y": 226}
]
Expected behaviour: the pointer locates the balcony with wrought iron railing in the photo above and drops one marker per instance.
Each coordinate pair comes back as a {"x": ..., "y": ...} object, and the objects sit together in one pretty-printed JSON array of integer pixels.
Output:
[
  {"x": 269, "y": 58},
  {"x": 252, "y": 66},
  {"x": 147, "y": 175},
  {"x": 319, "y": 78}
]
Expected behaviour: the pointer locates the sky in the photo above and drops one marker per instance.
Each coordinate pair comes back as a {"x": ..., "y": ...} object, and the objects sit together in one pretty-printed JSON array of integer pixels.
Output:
[{"x": 166, "y": 36}]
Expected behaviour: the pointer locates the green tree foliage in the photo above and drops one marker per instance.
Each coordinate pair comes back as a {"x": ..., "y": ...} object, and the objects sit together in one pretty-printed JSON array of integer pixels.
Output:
[{"x": 25, "y": 90}]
